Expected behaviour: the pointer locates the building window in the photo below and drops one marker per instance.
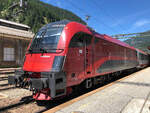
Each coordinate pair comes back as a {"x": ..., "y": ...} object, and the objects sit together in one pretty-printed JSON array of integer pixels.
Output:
[{"x": 9, "y": 54}]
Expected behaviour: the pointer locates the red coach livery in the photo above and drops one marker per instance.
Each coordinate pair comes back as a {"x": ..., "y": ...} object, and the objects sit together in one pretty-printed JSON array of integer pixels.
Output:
[{"x": 65, "y": 54}]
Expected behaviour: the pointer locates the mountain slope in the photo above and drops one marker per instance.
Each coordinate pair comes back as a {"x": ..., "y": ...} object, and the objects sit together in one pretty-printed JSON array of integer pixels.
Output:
[
  {"x": 35, "y": 13},
  {"x": 141, "y": 41}
]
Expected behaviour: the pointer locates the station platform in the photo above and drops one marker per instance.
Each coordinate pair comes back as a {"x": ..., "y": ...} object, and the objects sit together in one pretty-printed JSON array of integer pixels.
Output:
[{"x": 130, "y": 94}]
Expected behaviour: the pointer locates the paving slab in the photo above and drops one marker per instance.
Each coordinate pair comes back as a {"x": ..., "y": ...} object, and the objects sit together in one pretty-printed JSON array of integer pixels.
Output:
[
  {"x": 134, "y": 106},
  {"x": 146, "y": 108},
  {"x": 130, "y": 95}
]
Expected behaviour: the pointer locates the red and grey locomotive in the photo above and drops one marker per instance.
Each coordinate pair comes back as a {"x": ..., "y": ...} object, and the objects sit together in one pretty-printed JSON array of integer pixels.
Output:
[{"x": 65, "y": 54}]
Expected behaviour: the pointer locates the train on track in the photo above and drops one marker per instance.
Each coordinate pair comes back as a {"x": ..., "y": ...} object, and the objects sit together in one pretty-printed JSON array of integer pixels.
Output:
[{"x": 65, "y": 54}]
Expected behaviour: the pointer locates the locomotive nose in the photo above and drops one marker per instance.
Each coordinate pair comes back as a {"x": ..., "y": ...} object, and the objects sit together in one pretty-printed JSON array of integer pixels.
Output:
[
  {"x": 38, "y": 62},
  {"x": 43, "y": 63}
]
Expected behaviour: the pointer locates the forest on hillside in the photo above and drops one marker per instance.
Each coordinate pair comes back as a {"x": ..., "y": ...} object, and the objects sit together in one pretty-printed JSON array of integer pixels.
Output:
[
  {"x": 140, "y": 41},
  {"x": 34, "y": 13}
]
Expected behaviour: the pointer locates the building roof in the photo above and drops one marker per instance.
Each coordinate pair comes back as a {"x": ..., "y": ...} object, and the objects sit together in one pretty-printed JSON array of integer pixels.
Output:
[
  {"x": 15, "y": 32},
  {"x": 14, "y": 23}
]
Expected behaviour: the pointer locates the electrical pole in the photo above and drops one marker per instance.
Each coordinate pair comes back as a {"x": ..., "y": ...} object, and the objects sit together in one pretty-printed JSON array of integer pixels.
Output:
[{"x": 87, "y": 17}]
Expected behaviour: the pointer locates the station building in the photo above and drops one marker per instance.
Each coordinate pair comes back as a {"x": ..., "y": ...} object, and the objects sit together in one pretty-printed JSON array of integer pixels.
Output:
[{"x": 14, "y": 39}]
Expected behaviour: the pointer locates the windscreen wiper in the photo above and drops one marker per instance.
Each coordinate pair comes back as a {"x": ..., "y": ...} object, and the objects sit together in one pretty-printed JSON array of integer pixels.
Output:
[
  {"x": 30, "y": 50},
  {"x": 43, "y": 50}
]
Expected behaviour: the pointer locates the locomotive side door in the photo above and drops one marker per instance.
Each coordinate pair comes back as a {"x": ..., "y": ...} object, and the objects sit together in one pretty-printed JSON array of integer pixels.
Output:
[
  {"x": 78, "y": 63},
  {"x": 75, "y": 60},
  {"x": 88, "y": 55}
]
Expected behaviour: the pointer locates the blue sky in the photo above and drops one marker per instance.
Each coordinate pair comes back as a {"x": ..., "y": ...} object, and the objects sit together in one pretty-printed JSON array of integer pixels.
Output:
[{"x": 110, "y": 16}]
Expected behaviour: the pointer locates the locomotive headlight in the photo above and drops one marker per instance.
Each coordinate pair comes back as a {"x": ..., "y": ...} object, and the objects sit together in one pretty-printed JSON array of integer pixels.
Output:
[{"x": 58, "y": 63}]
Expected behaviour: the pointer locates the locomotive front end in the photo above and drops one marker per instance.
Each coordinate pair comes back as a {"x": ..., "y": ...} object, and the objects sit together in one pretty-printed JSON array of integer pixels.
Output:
[{"x": 43, "y": 65}]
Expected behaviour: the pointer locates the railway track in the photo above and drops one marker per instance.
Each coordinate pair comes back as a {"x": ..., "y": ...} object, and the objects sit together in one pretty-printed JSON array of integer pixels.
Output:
[
  {"x": 22, "y": 102},
  {"x": 4, "y": 82},
  {"x": 2, "y": 85},
  {"x": 24, "y": 105},
  {"x": 7, "y": 70},
  {"x": 13, "y": 99},
  {"x": 8, "y": 88}
]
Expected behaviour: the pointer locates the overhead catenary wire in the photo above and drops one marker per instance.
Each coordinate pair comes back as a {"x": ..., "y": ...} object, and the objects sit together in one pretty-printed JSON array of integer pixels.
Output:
[{"x": 133, "y": 37}]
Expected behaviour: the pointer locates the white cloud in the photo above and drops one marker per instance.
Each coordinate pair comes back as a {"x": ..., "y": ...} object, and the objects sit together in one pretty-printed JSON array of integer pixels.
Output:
[
  {"x": 130, "y": 17},
  {"x": 138, "y": 24},
  {"x": 141, "y": 23}
]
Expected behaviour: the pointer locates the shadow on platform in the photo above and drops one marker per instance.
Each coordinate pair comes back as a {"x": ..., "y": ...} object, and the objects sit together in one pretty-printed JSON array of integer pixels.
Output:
[{"x": 134, "y": 83}]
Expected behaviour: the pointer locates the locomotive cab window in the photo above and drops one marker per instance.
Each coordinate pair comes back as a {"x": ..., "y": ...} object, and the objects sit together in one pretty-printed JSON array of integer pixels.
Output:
[{"x": 47, "y": 39}]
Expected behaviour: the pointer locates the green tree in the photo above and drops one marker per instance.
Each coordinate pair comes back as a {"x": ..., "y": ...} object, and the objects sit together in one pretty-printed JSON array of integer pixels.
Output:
[{"x": 37, "y": 13}]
